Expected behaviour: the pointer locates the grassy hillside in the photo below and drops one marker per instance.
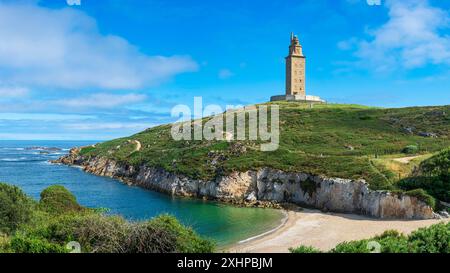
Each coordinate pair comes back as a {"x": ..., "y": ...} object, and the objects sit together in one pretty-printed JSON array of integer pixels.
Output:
[{"x": 347, "y": 141}]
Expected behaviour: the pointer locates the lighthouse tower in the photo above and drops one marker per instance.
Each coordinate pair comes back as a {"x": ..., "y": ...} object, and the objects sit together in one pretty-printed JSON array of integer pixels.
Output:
[
  {"x": 296, "y": 75},
  {"x": 295, "y": 68}
]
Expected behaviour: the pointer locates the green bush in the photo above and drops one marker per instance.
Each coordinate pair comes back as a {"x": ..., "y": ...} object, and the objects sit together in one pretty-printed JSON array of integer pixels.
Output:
[
  {"x": 352, "y": 247},
  {"x": 58, "y": 228},
  {"x": 150, "y": 238},
  {"x": 57, "y": 199},
  {"x": 101, "y": 234},
  {"x": 392, "y": 241},
  {"x": 435, "y": 239},
  {"x": 422, "y": 196},
  {"x": 438, "y": 187},
  {"x": 94, "y": 232},
  {"x": 188, "y": 240},
  {"x": 438, "y": 165},
  {"x": 433, "y": 176},
  {"x": 410, "y": 149},
  {"x": 24, "y": 244},
  {"x": 15, "y": 208},
  {"x": 304, "y": 249}
]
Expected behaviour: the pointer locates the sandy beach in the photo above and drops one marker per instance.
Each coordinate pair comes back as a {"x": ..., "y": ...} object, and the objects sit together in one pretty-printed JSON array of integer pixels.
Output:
[{"x": 324, "y": 231}]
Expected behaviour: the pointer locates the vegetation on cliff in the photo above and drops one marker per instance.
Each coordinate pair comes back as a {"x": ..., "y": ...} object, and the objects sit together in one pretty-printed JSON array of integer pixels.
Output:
[
  {"x": 432, "y": 175},
  {"x": 47, "y": 226},
  {"x": 346, "y": 141},
  {"x": 433, "y": 239}
]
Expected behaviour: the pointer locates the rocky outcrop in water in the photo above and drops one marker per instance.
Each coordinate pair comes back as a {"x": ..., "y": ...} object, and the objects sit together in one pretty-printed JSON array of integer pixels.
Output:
[{"x": 265, "y": 185}]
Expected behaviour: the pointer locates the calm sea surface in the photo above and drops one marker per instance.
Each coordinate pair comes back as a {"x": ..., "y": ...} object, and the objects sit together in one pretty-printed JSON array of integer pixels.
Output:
[{"x": 25, "y": 165}]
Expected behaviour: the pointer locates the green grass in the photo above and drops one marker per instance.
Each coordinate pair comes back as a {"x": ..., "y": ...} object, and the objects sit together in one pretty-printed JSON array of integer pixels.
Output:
[{"x": 329, "y": 139}]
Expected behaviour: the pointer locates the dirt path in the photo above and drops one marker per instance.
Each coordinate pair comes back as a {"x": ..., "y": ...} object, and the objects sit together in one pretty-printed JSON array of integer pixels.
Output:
[
  {"x": 138, "y": 146},
  {"x": 324, "y": 231},
  {"x": 406, "y": 160}
]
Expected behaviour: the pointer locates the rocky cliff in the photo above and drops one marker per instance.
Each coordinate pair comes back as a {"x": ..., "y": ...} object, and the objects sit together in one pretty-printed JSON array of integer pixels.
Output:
[{"x": 328, "y": 194}]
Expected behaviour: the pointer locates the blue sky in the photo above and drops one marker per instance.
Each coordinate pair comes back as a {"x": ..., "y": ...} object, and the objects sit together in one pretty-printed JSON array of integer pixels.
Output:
[{"x": 110, "y": 68}]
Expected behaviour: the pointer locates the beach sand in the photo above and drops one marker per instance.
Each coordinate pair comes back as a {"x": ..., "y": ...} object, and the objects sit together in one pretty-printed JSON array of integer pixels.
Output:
[{"x": 324, "y": 231}]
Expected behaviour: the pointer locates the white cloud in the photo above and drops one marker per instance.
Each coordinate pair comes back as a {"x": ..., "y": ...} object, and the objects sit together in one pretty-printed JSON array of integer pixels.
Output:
[
  {"x": 225, "y": 74},
  {"x": 13, "y": 92},
  {"x": 102, "y": 100},
  {"x": 411, "y": 38},
  {"x": 64, "y": 49}
]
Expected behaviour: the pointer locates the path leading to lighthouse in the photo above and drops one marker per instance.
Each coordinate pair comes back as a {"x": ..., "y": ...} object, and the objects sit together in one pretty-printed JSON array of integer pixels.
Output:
[
  {"x": 324, "y": 231},
  {"x": 138, "y": 146}
]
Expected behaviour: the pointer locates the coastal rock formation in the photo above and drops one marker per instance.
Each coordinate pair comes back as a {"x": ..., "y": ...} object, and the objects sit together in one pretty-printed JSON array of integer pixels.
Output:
[{"x": 328, "y": 194}]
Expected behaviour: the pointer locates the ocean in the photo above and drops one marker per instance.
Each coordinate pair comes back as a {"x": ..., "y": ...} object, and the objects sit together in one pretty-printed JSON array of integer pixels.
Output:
[{"x": 25, "y": 164}]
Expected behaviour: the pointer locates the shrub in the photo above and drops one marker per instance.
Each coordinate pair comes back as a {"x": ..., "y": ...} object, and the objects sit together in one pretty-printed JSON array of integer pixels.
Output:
[
  {"x": 410, "y": 149},
  {"x": 94, "y": 232},
  {"x": 388, "y": 234},
  {"x": 422, "y": 196},
  {"x": 435, "y": 239},
  {"x": 438, "y": 187},
  {"x": 59, "y": 228},
  {"x": 57, "y": 199},
  {"x": 352, "y": 247},
  {"x": 438, "y": 165},
  {"x": 150, "y": 238},
  {"x": 392, "y": 241},
  {"x": 188, "y": 241},
  {"x": 101, "y": 234},
  {"x": 24, "y": 244},
  {"x": 304, "y": 249},
  {"x": 433, "y": 176},
  {"x": 15, "y": 208}
]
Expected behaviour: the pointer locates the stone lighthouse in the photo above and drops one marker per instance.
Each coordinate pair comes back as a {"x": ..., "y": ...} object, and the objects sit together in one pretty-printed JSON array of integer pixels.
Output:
[{"x": 296, "y": 75}]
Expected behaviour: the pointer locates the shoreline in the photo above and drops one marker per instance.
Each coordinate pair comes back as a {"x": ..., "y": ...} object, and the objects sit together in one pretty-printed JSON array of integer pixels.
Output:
[
  {"x": 323, "y": 231},
  {"x": 283, "y": 223}
]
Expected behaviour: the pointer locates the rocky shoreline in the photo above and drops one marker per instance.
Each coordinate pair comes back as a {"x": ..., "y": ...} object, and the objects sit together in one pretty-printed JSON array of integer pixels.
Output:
[{"x": 264, "y": 188}]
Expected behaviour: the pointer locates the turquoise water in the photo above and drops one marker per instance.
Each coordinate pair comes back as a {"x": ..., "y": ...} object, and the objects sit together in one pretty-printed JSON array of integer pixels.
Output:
[{"x": 30, "y": 170}]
